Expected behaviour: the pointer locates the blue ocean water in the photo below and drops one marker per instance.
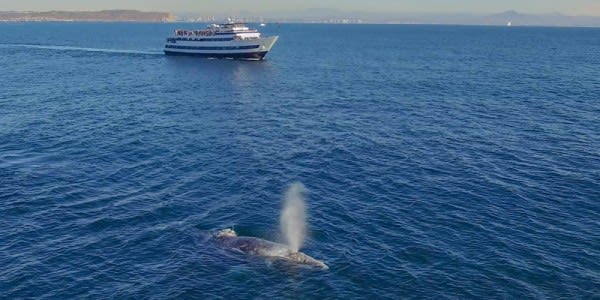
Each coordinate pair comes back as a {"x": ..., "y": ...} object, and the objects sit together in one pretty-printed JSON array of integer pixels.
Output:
[{"x": 441, "y": 161}]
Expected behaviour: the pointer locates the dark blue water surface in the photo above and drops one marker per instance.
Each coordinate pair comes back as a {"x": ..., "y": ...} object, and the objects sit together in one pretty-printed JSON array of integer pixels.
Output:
[{"x": 442, "y": 162}]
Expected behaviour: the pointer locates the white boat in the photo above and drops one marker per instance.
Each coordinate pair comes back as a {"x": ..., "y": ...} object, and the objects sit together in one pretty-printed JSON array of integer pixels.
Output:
[{"x": 229, "y": 40}]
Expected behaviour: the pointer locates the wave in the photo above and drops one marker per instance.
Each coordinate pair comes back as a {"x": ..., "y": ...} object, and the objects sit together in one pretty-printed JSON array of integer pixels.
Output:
[{"x": 81, "y": 49}]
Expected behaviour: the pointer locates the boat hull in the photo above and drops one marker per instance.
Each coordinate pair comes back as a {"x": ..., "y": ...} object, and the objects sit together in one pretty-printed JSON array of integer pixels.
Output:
[{"x": 248, "y": 55}]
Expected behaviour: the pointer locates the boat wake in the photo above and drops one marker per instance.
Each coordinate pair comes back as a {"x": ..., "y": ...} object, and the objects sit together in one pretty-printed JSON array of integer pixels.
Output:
[{"x": 81, "y": 49}]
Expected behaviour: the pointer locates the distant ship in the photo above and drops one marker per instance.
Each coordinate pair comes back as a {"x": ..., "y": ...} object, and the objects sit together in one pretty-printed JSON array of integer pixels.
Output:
[
  {"x": 509, "y": 24},
  {"x": 228, "y": 40}
]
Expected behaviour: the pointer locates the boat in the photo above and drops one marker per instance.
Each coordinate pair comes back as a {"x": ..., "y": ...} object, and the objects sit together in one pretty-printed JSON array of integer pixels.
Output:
[{"x": 229, "y": 40}]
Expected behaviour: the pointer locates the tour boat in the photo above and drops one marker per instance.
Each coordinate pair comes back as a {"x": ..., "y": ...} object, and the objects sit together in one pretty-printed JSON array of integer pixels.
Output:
[{"x": 229, "y": 40}]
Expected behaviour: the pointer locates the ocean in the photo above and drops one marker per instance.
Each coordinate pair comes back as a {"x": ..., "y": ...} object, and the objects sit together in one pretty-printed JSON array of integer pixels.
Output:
[{"x": 443, "y": 162}]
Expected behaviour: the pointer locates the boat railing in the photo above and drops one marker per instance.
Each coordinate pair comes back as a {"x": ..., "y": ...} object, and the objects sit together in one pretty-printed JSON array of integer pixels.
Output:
[
  {"x": 208, "y": 32},
  {"x": 181, "y": 32}
]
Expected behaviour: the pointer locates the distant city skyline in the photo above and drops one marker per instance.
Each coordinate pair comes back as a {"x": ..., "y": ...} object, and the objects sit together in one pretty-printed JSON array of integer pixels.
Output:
[{"x": 573, "y": 7}]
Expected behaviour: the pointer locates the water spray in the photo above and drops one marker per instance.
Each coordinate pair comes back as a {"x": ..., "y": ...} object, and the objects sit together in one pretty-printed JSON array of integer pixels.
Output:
[{"x": 293, "y": 216}]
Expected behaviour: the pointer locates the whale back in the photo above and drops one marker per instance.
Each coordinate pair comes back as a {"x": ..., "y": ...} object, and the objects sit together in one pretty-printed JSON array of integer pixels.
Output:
[
  {"x": 254, "y": 246},
  {"x": 260, "y": 247},
  {"x": 304, "y": 259}
]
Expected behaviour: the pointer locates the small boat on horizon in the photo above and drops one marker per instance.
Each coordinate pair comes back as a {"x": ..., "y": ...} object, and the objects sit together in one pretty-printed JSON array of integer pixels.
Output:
[{"x": 229, "y": 40}]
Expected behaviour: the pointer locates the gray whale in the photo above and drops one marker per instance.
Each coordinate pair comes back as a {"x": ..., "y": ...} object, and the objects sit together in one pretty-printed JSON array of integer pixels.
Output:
[{"x": 259, "y": 247}]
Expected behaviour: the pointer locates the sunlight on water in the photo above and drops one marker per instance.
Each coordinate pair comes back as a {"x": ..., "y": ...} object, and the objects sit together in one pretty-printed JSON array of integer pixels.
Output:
[{"x": 293, "y": 216}]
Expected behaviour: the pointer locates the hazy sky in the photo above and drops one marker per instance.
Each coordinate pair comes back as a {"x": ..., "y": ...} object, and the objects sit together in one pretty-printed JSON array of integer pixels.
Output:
[{"x": 588, "y": 7}]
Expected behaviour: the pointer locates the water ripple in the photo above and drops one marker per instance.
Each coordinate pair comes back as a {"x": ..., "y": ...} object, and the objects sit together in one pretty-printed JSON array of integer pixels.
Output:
[{"x": 440, "y": 163}]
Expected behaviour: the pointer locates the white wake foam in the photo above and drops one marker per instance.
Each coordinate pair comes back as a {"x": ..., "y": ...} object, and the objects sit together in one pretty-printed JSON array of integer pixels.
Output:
[{"x": 82, "y": 49}]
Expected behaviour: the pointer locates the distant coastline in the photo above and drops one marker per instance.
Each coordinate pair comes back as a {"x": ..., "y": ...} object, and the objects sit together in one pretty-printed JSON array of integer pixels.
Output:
[
  {"x": 87, "y": 16},
  {"x": 320, "y": 16},
  {"x": 334, "y": 16}
]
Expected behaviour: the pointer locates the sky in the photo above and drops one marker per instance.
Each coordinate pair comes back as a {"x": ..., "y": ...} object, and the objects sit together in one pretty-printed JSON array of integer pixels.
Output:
[{"x": 572, "y": 7}]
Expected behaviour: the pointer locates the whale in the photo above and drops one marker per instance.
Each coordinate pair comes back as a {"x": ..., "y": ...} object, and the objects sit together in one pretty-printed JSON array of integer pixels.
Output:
[{"x": 228, "y": 238}]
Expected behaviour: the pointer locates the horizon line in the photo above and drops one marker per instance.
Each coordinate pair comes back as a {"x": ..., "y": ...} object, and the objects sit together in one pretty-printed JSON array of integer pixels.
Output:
[{"x": 257, "y": 13}]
